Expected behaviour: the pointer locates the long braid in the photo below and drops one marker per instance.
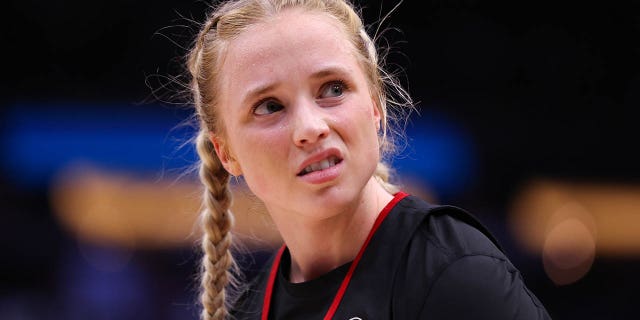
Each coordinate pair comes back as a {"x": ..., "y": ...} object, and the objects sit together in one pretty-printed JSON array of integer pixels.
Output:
[{"x": 217, "y": 221}]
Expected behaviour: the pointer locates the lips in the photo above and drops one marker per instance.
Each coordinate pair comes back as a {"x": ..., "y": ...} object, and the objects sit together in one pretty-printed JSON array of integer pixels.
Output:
[
  {"x": 320, "y": 161},
  {"x": 321, "y": 165}
]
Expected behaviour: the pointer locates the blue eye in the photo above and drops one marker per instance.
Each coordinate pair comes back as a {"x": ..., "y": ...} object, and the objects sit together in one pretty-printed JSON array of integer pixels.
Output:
[
  {"x": 267, "y": 107},
  {"x": 332, "y": 89}
]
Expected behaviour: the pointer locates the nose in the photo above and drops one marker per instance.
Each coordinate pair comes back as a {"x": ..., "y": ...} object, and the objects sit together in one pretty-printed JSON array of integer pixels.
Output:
[{"x": 310, "y": 124}]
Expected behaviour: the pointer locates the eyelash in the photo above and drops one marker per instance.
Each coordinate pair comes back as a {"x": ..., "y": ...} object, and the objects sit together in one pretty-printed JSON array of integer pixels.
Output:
[
  {"x": 339, "y": 82},
  {"x": 260, "y": 103},
  {"x": 342, "y": 84}
]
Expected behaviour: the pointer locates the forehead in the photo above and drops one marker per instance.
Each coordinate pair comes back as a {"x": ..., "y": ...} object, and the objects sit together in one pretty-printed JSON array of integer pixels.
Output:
[
  {"x": 290, "y": 28},
  {"x": 292, "y": 42}
]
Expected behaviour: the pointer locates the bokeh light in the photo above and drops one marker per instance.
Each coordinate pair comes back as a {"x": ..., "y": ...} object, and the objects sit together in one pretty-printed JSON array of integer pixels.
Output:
[
  {"x": 121, "y": 209},
  {"x": 571, "y": 224}
]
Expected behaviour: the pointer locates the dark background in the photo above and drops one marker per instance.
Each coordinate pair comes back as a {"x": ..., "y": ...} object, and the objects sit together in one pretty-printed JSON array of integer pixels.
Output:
[{"x": 534, "y": 88}]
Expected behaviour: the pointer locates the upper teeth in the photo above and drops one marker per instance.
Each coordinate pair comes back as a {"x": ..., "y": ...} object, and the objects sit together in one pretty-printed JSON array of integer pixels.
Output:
[{"x": 321, "y": 165}]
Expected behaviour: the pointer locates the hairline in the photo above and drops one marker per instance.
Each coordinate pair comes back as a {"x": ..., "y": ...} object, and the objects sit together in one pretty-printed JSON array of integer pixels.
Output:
[{"x": 269, "y": 16}]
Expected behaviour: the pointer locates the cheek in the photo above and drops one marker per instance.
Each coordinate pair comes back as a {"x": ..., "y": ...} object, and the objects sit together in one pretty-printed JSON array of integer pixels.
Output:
[
  {"x": 359, "y": 123},
  {"x": 369, "y": 132},
  {"x": 259, "y": 150},
  {"x": 263, "y": 156}
]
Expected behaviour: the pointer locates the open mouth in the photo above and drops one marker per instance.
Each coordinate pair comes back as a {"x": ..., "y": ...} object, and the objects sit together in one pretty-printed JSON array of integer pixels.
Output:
[{"x": 320, "y": 165}]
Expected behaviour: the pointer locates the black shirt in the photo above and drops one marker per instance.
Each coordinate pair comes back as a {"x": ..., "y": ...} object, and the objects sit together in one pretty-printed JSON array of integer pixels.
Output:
[
  {"x": 424, "y": 262},
  {"x": 294, "y": 301}
]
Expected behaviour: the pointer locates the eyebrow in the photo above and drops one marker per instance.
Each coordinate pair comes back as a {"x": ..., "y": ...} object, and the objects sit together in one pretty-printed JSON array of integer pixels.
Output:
[
  {"x": 322, "y": 73},
  {"x": 328, "y": 71}
]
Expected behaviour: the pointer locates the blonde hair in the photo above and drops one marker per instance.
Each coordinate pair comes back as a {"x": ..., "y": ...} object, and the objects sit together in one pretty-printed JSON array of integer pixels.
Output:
[{"x": 224, "y": 24}]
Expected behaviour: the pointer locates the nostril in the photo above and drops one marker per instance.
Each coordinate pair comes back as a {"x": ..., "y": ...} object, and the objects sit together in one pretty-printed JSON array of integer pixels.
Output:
[{"x": 308, "y": 129}]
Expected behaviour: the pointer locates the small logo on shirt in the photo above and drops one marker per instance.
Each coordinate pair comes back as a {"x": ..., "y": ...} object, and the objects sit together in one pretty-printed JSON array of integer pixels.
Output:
[{"x": 355, "y": 318}]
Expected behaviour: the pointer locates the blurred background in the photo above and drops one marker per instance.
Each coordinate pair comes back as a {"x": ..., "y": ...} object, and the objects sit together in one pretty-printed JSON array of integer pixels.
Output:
[{"x": 527, "y": 118}]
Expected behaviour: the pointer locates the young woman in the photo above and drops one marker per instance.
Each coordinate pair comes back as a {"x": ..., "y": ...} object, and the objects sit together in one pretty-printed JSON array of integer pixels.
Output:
[{"x": 290, "y": 96}]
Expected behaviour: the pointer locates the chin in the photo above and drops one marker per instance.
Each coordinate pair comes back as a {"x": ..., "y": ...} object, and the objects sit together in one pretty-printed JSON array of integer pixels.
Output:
[{"x": 334, "y": 200}]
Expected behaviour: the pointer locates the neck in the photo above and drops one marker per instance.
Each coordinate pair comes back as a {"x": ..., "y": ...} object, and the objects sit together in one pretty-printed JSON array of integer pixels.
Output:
[{"x": 319, "y": 246}]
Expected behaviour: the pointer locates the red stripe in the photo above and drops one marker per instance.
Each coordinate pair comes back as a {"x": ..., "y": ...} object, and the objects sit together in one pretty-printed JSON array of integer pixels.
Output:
[
  {"x": 272, "y": 281},
  {"x": 343, "y": 287},
  {"x": 345, "y": 282}
]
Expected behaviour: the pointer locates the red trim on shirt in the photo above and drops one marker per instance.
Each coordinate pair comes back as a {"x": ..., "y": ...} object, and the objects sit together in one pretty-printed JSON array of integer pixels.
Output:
[
  {"x": 272, "y": 281},
  {"x": 345, "y": 282}
]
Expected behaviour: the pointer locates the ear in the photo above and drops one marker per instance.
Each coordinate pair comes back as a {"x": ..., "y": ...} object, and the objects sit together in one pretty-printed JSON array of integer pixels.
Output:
[
  {"x": 227, "y": 159},
  {"x": 376, "y": 112}
]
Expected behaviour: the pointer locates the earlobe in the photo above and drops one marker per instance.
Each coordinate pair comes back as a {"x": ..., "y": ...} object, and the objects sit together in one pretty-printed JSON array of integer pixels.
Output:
[{"x": 226, "y": 158}]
